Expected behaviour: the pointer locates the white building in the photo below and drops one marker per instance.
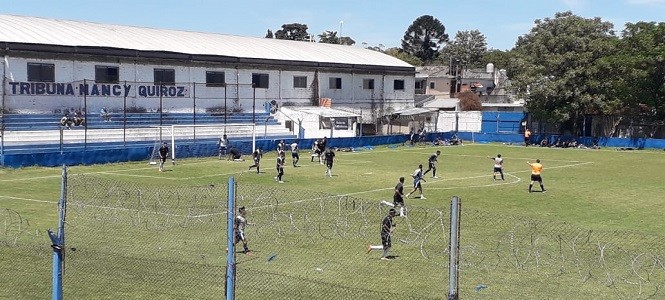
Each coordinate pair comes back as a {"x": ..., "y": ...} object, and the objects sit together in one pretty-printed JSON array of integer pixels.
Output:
[{"x": 54, "y": 65}]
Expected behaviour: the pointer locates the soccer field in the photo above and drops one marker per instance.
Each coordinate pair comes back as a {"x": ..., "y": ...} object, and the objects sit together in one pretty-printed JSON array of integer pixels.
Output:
[{"x": 596, "y": 233}]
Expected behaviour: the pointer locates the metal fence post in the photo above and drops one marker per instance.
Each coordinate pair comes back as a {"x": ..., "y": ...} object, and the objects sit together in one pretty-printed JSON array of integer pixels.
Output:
[
  {"x": 58, "y": 240},
  {"x": 230, "y": 255},
  {"x": 453, "y": 262}
]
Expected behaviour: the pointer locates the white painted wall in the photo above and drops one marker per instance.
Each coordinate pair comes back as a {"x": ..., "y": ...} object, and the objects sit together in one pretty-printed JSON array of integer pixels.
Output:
[
  {"x": 311, "y": 124},
  {"x": 240, "y": 97},
  {"x": 469, "y": 121}
]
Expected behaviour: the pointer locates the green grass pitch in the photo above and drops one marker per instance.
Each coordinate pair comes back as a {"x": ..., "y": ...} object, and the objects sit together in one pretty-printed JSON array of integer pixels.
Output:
[{"x": 596, "y": 233}]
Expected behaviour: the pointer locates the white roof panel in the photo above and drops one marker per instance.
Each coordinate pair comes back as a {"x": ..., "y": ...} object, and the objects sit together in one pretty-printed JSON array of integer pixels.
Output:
[
  {"x": 35, "y": 30},
  {"x": 326, "y": 112}
]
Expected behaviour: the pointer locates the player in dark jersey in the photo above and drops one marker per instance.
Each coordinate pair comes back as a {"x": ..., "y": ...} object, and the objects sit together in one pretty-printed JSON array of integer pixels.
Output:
[
  {"x": 256, "y": 156},
  {"x": 330, "y": 156},
  {"x": 280, "y": 166},
  {"x": 281, "y": 146},
  {"x": 398, "y": 197},
  {"x": 433, "y": 160},
  {"x": 387, "y": 228},
  {"x": 163, "y": 154},
  {"x": 234, "y": 154}
]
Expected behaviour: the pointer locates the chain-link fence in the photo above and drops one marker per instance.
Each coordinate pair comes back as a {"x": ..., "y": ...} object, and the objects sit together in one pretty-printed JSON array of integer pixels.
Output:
[
  {"x": 25, "y": 258},
  {"x": 132, "y": 241}
]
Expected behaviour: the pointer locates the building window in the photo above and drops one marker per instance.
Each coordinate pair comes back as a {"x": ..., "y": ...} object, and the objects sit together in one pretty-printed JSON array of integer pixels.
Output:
[
  {"x": 215, "y": 79},
  {"x": 300, "y": 81},
  {"x": 398, "y": 85},
  {"x": 165, "y": 76},
  {"x": 419, "y": 85},
  {"x": 368, "y": 84},
  {"x": 431, "y": 85},
  {"x": 261, "y": 81},
  {"x": 106, "y": 74},
  {"x": 41, "y": 72},
  {"x": 335, "y": 83}
]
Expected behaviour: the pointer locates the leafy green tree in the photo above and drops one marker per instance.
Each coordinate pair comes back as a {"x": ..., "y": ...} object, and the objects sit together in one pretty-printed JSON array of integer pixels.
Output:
[
  {"x": 423, "y": 38},
  {"x": 269, "y": 34},
  {"x": 500, "y": 59},
  {"x": 329, "y": 37},
  {"x": 294, "y": 32},
  {"x": 398, "y": 53},
  {"x": 557, "y": 68},
  {"x": 638, "y": 70},
  {"x": 469, "y": 47}
]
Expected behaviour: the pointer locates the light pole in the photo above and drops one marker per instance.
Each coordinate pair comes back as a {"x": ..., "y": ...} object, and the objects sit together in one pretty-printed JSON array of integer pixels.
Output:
[{"x": 341, "y": 24}]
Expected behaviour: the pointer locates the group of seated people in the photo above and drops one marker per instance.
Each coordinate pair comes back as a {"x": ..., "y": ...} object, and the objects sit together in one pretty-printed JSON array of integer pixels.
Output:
[
  {"x": 68, "y": 120},
  {"x": 572, "y": 143},
  {"x": 453, "y": 141}
]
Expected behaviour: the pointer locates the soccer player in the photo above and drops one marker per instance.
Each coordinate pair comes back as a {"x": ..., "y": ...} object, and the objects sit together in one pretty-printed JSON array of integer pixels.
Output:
[
  {"x": 498, "y": 166},
  {"x": 417, "y": 178},
  {"x": 163, "y": 154},
  {"x": 387, "y": 227},
  {"x": 315, "y": 151},
  {"x": 527, "y": 137},
  {"x": 280, "y": 166},
  {"x": 433, "y": 159},
  {"x": 294, "y": 153},
  {"x": 322, "y": 148},
  {"x": 398, "y": 197},
  {"x": 223, "y": 146},
  {"x": 536, "y": 169},
  {"x": 239, "y": 225},
  {"x": 234, "y": 154},
  {"x": 330, "y": 155},
  {"x": 256, "y": 156},
  {"x": 281, "y": 146}
]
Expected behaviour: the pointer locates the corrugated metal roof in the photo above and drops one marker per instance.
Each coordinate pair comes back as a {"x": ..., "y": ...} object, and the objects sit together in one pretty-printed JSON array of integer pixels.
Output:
[
  {"x": 414, "y": 111},
  {"x": 326, "y": 112},
  {"x": 35, "y": 30}
]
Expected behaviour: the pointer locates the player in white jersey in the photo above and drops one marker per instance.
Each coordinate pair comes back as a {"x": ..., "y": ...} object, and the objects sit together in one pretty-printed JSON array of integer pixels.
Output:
[
  {"x": 498, "y": 166},
  {"x": 294, "y": 153}
]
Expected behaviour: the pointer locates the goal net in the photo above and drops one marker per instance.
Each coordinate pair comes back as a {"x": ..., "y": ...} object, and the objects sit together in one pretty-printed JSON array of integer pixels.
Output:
[{"x": 203, "y": 140}]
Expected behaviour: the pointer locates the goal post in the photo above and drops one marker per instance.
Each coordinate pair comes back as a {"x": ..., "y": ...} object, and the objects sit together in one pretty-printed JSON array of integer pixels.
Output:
[{"x": 195, "y": 140}]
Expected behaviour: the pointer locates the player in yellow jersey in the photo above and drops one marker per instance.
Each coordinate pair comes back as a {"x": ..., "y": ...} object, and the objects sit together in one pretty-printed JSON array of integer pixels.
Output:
[{"x": 536, "y": 169}]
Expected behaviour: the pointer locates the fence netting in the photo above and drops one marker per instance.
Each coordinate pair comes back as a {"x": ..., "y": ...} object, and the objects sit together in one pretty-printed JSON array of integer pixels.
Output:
[
  {"x": 25, "y": 258},
  {"x": 128, "y": 240}
]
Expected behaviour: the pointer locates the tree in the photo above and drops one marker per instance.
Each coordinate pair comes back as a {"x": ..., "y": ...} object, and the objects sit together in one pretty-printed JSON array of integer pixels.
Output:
[
  {"x": 423, "y": 38},
  {"x": 500, "y": 59},
  {"x": 329, "y": 37},
  {"x": 398, "y": 53},
  {"x": 469, "y": 101},
  {"x": 469, "y": 47},
  {"x": 556, "y": 68},
  {"x": 269, "y": 34},
  {"x": 294, "y": 32},
  {"x": 640, "y": 61},
  {"x": 347, "y": 41}
]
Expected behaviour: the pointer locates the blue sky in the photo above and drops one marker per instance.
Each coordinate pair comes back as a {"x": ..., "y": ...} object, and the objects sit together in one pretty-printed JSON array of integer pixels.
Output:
[{"x": 370, "y": 21}]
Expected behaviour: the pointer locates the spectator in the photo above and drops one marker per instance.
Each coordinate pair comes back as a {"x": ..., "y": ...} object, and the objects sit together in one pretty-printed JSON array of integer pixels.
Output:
[{"x": 104, "y": 113}]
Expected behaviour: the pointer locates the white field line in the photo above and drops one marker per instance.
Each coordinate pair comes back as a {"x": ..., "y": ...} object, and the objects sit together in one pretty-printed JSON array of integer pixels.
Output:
[
  {"x": 28, "y": 199},
  {"x": 294, "y": 202}
]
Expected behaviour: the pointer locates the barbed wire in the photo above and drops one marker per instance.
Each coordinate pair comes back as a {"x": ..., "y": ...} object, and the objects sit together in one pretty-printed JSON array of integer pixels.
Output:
[{"x": 126, "y": 237}]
